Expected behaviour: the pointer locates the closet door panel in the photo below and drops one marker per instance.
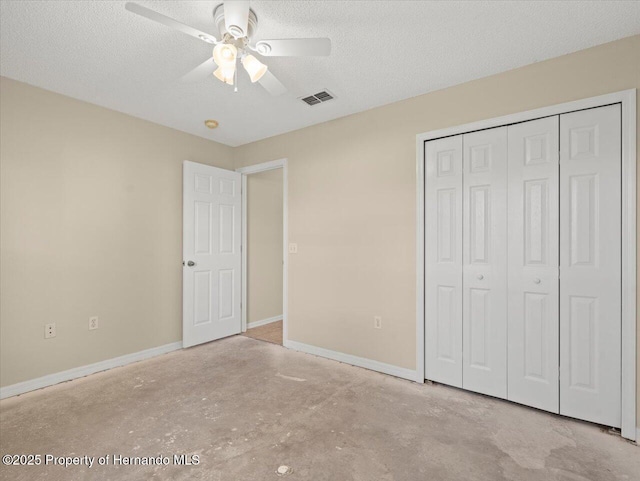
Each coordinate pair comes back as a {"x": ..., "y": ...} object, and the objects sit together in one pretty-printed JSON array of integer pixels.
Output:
[
  {"x": 590, "y": 265},
  {"x": 443, "y": 260},
  {"x": 484, "y": 317},
  {"x": 533, "y": 252}
]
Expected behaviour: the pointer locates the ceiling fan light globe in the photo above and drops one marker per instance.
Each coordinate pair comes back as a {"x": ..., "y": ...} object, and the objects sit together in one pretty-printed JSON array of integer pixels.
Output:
[
  {"x": 224, "y": 54},
  {"x": 254, "y": 67},
  {"x": 224, "y": 75}
]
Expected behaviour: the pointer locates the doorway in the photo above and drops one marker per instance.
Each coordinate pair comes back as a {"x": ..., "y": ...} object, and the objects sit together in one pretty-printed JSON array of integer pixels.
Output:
[{"x": 264, "y": 256}]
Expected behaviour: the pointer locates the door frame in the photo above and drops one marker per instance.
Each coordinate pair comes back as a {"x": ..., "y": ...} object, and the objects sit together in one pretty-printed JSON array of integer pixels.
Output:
[
  {"x": 254, "y": 169},
  {"x": 627, "y": 99}
]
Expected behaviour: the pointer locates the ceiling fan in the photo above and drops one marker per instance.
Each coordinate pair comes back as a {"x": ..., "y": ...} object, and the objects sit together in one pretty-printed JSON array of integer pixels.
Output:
[{"x": 237, "y": 24}]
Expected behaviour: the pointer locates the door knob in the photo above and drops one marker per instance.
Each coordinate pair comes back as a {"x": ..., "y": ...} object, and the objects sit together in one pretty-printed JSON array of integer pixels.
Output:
[
  {"x": 191, "y": 263},
  {"x": 536, "y": 281},
  {"x": 480, "y": 277}
]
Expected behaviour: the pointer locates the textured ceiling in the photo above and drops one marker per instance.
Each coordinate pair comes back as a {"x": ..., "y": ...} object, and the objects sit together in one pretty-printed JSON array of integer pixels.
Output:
[{"x": 383, "y": 51}]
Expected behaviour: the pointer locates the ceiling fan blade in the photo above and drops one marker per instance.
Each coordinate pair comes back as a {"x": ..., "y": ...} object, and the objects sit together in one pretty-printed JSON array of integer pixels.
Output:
[
  {"x": 236, "y": 17},
  {"x": 169, "y": 22},
  {"x": 271, "y": 84},
  {"x": 294, "y": 47},
  {"x": 201, "y": 72}
]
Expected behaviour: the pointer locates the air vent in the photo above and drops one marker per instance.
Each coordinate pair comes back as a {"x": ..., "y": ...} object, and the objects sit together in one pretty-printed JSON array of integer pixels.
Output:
[
  {"x": 312, "y": 100},
  {"x": 318, "y": 98}
]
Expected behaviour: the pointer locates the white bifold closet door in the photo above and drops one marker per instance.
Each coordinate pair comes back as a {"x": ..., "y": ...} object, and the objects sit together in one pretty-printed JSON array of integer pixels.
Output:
[
  {"x": 590, "y": 265},
  {"x": 443, "y": 261},
  {"x": 533, "y": 328},
  {"x": 484, "y": 270},
  {"x": 523, "y": 263}
]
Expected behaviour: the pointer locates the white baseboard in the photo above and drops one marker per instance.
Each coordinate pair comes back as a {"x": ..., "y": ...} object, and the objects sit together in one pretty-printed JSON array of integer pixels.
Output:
[
  {"x": 264, "y": 322},
  {"x": 76, "y": 372},
  {"x": 378, "y": 366}
]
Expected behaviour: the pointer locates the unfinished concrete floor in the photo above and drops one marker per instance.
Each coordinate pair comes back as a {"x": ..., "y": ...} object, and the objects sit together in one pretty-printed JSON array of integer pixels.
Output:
[{"x": 246, "y": 407}]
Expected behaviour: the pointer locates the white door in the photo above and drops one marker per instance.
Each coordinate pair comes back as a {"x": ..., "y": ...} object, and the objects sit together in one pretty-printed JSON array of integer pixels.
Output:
[
  {"x": 533, "y": 264},
  {"x": 212, "y": 257},
  {"x": 590, "y": 265},
  {"x": 484, "y": 312},
  {"x": 443, "y": 260}
]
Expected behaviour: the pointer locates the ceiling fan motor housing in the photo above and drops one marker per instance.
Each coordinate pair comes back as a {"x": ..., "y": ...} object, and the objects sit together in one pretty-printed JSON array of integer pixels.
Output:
[{"x": 218, "y": 18}]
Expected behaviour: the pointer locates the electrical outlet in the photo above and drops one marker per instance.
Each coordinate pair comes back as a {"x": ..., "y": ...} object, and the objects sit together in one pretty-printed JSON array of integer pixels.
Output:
[
  {"x": 377, "y": 322},
  {"x": 50, "y": 330},
  {"x": 94, "y": 323},
  {"x": 293, "y": 248}
]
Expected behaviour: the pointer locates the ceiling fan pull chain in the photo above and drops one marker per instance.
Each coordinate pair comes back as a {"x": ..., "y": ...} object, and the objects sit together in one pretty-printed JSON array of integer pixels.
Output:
[{"x": 235, "y": 79}]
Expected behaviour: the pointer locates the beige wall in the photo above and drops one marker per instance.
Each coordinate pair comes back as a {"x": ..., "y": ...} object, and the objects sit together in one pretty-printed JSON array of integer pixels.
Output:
[
  {"x": 91, "y": 214},
  {"x": 352, "y": 196},
  {"x": 264, "y": 245},
  {"x": 91, "y": 225}
]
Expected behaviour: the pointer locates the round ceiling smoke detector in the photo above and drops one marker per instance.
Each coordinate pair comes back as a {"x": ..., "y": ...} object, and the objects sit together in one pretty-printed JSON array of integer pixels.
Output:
[
  {"x": 212, "y": 124},
  {"x": 284, "y": 470}
]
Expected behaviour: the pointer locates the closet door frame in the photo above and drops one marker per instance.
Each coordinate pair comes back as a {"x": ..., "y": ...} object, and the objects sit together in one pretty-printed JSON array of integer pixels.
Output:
[{"x": 627, "y": 100}]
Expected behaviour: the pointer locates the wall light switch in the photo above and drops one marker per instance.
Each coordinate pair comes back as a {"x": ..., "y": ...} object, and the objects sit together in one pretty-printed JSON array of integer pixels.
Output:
[{"x": 293, "y": 248}]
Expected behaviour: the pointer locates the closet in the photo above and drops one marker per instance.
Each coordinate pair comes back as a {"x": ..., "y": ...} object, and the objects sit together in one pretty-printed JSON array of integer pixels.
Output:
[{"x": 523, "y": 263}]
